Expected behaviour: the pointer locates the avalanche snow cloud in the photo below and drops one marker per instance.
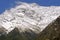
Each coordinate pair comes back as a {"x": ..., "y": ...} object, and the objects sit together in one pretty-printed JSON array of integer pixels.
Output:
[{"x": 27, "y": 17}]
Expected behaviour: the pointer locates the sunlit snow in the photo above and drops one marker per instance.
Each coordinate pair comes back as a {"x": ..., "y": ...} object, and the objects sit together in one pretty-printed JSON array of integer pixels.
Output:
[{"x": 29, "y": 16}]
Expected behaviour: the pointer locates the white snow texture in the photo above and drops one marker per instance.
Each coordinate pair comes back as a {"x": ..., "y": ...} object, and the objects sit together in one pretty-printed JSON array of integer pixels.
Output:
[{"x": 27, "y": 17}]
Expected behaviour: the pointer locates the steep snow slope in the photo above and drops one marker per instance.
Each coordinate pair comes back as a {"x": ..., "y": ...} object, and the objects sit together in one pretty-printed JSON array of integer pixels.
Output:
[{"x": 28, "y": 17}]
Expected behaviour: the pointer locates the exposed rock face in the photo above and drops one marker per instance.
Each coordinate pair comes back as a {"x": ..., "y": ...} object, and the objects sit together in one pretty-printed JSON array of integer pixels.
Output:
[
  {"x": 2, "y": 31},
  {"x": 16, "y": 35},
  {"x": 51, "y": 32}
]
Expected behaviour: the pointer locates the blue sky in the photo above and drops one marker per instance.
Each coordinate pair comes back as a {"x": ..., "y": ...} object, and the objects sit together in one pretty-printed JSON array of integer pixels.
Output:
[{"x": 7, "y": 4}]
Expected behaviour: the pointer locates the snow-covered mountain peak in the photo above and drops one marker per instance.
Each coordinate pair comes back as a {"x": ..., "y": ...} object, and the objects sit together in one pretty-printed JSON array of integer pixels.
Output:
[{"x": 28, "y": 17}]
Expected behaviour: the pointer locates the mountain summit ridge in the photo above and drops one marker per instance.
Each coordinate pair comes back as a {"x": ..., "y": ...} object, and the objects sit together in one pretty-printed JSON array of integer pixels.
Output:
[{"x": 28, "y": 17}]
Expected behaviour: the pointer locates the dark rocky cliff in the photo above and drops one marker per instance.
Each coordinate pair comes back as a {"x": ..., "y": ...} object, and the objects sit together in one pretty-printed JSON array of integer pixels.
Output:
[
  {"x": 51, "y": 32},
  {"x": 16, "y": 35}
]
